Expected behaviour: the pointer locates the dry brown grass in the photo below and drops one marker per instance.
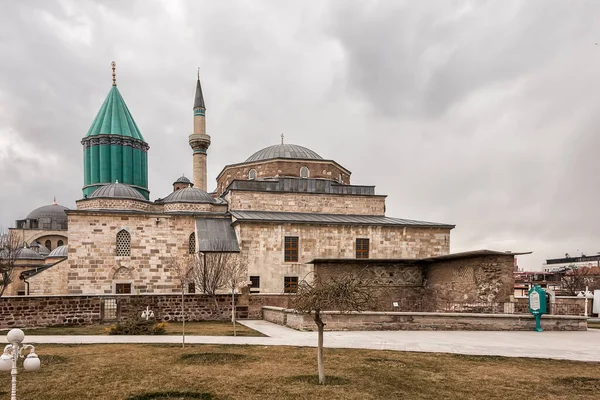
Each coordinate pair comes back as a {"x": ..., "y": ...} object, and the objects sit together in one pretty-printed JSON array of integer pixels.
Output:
[
  {"x": 112, "y": 372},
  {"x": 205, "y": 328}
]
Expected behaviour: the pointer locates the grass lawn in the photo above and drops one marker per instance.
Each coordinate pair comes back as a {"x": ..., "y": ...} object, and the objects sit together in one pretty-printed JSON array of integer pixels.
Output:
[
  {"x": 204, "y": 328},
  {"x": 135, "y": 372}
]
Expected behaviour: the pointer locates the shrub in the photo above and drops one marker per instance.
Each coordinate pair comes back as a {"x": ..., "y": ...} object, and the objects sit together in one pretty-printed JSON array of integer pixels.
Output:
[{"x": 141, "y": 327}]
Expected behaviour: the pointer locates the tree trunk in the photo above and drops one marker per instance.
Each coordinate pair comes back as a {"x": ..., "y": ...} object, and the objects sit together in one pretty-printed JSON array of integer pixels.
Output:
[
  {"x": 320, "y": 364},
  {"x": 233, "y": 311},
  {"x": 182, "y": 318}
]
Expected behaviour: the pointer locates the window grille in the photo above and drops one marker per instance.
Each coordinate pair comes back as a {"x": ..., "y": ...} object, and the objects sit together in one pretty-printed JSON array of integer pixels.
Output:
[
  {"x": 362, "y": 248},
  {"x": 290, "y": 284},
  {"x": 304, "y": 172},
  {"x": 48, "y": 244},
  {"x": 252, "y": 174},
  {"x": 291, "y": 249},
  {"x": 109, "y": 309},
  {"x": 192, "y": 243},
  {"x": 123, "y": 243},
  {"x": 255, "y": 281},
  {"x": 123, "y": 288}
]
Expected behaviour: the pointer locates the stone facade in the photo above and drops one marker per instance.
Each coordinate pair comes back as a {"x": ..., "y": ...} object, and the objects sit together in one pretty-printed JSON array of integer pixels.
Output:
[
  {"x": 481, "y": 279},
  {"x": 42, "y": 236},
  {"x": 263, "y": 246},
  {"x": 323, "y": 169},
  {"x": 94, "y": 267},
  {"x": 306, "y": 202},
  {"x": 476, "y": 281}
]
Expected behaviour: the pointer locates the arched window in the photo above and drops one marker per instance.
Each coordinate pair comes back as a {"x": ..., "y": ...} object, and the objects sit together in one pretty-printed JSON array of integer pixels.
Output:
[
  {"x": 192, "y": 243},
  {"x": 252, "y": 174},
  {"x": 48, "y": 244},
  {"x": 304, "y": 172},
  {"x": 123, "y": 243},
  {"x": 60, "y": 243}
]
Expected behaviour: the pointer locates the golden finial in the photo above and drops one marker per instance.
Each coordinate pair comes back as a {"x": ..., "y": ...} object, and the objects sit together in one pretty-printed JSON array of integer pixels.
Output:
[
  {"x": 114, "y": 65},
  {"x": 54, "y": 201},
  {"x": 282, "y": 138}
]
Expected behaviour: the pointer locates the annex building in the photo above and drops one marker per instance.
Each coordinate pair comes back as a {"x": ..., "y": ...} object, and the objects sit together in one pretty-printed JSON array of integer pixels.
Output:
[{"x": 280, "y": 208}]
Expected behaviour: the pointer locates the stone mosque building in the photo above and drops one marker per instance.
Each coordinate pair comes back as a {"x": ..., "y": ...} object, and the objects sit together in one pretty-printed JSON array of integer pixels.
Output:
[{"x": 282, "y": 207}]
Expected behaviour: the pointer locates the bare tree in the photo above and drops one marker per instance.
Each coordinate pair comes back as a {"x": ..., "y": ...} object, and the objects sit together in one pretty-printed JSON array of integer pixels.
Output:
[
  {"x": 574, "y": 279},
  {"x": 10, "y": 246},
  {"x": 343, "y": 294},
  {"x": 236, "y": 275},
  {"x": 181, "y": 271}
]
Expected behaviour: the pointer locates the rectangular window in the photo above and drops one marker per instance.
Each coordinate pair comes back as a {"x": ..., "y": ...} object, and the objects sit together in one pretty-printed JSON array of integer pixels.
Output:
[
  {"x": 290, "y": 284},
  {"x": 123, "y": 288},
  {"x": 362, "y": 248},
  {"x": 291, "y": 249},
  {"x": 255, "y": 281}
]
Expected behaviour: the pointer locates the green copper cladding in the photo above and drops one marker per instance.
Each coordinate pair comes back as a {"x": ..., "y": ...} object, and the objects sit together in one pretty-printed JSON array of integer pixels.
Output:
[{"x": 114, "y": 148}]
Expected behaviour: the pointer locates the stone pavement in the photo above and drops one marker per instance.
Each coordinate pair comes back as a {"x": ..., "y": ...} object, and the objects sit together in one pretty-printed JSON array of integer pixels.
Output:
[{"x": 578, "y": 346}]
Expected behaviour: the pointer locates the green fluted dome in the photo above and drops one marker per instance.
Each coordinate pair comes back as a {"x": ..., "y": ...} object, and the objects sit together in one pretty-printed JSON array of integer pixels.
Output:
[
  {"x": 114, "y": 118},
  {"x": 114, "y": 149}
]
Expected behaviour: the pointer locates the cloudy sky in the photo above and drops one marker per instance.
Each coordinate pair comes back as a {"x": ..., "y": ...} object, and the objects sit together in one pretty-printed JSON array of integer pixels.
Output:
[{"x": 484, "y": 114}]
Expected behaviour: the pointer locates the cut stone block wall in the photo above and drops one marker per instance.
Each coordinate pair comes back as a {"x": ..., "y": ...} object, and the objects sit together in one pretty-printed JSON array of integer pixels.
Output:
[
  {"x": 34, "y": 311},
  {"x": 279, "y": 168},
  {"x": 372, "y": 321},
  {"x": 306, "y": 202},
  {"x": 263, "y": 245}
]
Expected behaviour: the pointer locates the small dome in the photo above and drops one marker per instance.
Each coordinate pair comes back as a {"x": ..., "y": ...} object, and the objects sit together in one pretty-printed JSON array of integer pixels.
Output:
[
  {"x": 39, "y": 248},
  {"x": 117, "y": 190},
  {"x": 50, "y": 217},
  {"x": 189, "y": 195},
  {"x": 183, "y": 179},
  {"x": 28, "y": 254},
  {"x": 284, "y": 151},
  {"x": 59, "y": 252}
]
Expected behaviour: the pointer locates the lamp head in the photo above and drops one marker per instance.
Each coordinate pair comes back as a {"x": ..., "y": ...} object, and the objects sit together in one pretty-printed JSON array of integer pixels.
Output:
[
  {"x": 15, "y": 335},
  {"x": 32, "y": 362},
  {"x": 5, "y": 363}
]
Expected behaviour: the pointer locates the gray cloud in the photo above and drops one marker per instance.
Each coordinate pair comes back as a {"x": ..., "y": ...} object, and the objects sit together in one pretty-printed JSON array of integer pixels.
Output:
[{"x": 482, "y": 114}]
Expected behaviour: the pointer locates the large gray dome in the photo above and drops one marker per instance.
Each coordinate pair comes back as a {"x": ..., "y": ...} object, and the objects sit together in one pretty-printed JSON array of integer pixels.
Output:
[
  {"x": 117, "y": 190},
  {"x": 189, "y": 195},
  {"x": 284, "y": 151},
  {"x": 50, "y": 217},
  {"x": 59, "y": 252}
]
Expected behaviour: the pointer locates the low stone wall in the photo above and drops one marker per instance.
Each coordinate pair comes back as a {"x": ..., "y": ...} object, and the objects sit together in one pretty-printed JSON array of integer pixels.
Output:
[
  {"x": 390, "y": 321},
  {"x": 34, "y": 311},
  {"x": 256, "y": 302}
]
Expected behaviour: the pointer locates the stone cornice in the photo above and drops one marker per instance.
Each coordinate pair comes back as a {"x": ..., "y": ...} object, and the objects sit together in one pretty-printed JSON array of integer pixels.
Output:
[{"x": 116, "y": 140}]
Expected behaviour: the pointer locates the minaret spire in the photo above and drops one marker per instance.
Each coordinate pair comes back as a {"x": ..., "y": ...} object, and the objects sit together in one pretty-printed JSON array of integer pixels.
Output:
[
  {"x": 199, "y": 99},
  {"x": 199, "y": 140}
]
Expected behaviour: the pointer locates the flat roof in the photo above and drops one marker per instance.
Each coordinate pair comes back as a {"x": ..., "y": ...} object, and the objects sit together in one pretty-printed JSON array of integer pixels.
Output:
[{"x": 453, "y": 256}]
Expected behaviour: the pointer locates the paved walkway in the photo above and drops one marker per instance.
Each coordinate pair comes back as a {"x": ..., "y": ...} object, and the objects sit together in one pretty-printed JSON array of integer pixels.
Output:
[{"x": 579, "y": 346}]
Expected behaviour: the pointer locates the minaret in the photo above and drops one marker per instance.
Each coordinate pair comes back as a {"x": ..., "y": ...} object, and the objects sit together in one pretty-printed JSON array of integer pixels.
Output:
[{"x": 199, "y": 140}]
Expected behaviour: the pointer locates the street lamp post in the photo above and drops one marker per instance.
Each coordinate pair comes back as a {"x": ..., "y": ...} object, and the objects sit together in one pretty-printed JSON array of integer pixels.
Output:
[{"x": 12, "y": 352}]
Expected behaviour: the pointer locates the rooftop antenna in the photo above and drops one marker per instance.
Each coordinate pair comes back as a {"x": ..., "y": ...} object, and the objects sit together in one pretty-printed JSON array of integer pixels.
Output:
[{"x": 114, "y": 74}]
